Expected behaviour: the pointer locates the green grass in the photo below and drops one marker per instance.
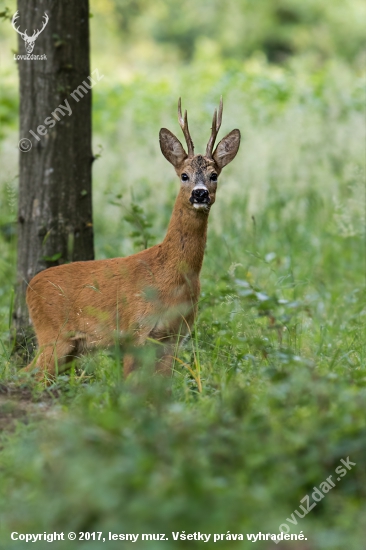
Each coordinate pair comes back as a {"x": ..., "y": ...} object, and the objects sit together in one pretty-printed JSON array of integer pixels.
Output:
[{"x": 278, "y": 348}]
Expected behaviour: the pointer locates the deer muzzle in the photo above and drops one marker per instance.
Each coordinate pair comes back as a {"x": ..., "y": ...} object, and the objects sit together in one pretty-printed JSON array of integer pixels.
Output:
[{"x": 200, "y": 195}]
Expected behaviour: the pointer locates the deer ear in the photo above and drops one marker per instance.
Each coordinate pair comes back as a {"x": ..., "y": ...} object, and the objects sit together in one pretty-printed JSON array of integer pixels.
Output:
[
  {"x": 227, "y": 149},
  {"x": 171, "y": 148}
]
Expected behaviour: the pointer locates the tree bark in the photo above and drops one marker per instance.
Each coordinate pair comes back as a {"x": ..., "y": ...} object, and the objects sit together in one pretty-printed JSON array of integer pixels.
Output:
[{"x": 55, "y": 194}]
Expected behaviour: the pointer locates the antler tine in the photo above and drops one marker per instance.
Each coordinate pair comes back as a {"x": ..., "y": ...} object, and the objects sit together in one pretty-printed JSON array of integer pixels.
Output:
[
  {"x": 46, "y": 18},
  {"x": 216, "y": 124},
  {"x": 38, "y": 32},
  {"x": 15, "y": 17},
  {"x": 184, "y": 125}
]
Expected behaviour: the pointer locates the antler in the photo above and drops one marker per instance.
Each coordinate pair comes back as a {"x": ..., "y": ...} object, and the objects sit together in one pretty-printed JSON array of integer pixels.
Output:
[
  {"x": 24, "y": 34},
  {"x": 216, "y": 123},
  {"x": 37, "y": 33},
  {"x": 15, "y": 17},
  {"x": 184, "y": 125}
]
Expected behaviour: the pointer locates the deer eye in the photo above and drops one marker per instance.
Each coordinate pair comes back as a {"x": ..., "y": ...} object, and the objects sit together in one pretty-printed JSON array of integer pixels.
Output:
[
  {"x": 184, "y": 177},
  {"x": 213, "y": 177}
]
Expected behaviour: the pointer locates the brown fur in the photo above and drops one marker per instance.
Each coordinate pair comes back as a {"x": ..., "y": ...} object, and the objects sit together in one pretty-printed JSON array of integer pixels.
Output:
[{"x": 152, "y": 294}]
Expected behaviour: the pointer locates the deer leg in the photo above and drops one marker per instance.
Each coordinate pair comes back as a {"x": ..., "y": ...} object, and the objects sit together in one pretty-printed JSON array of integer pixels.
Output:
[
  {"x": 129, "y": 364},
  {"x": 131, "y": 359},
  {"x": 53, "y": 358},
  {"x": 165, "y": 358},
  {"x": 165, "y": 353},
  {"x": 163, "y": 363}
]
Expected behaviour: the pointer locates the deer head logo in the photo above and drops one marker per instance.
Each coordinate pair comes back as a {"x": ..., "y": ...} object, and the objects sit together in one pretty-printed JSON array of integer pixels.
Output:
[{"x": 29, "y": 40}]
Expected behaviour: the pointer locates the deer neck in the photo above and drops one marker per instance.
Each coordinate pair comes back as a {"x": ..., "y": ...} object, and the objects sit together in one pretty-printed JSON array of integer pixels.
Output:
[{"x": 186, "y": 237}]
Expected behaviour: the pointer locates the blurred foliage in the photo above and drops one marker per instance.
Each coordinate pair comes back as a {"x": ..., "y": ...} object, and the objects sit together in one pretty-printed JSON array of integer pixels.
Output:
[
  {"x": 8, "y": 106},
  {"x": 238, "y": 28},
  {"x": 239, "y": 459},
  {"x": 139, "y": 222}
]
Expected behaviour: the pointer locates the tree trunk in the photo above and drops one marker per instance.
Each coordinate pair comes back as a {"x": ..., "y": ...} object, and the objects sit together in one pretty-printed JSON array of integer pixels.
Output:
[{"x": 55, "y": 198}]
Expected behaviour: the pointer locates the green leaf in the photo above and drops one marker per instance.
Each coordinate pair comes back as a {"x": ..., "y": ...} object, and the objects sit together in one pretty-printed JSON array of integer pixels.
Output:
[{"x": 53, "y": 258}]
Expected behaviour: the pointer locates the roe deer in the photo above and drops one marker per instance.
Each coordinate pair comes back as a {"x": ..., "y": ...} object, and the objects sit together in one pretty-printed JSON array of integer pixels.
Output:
[{"x": 151, "y": 294}]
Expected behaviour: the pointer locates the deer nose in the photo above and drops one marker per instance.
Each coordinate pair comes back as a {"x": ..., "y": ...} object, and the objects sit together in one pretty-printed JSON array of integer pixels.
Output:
[{"x": 200, "y": 195}]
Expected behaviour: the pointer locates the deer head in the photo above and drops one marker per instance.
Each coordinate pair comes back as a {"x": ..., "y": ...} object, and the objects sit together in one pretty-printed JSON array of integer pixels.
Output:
[
  {"x": 29, "y": 40},
  {"x": 199, "y": 173}
]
